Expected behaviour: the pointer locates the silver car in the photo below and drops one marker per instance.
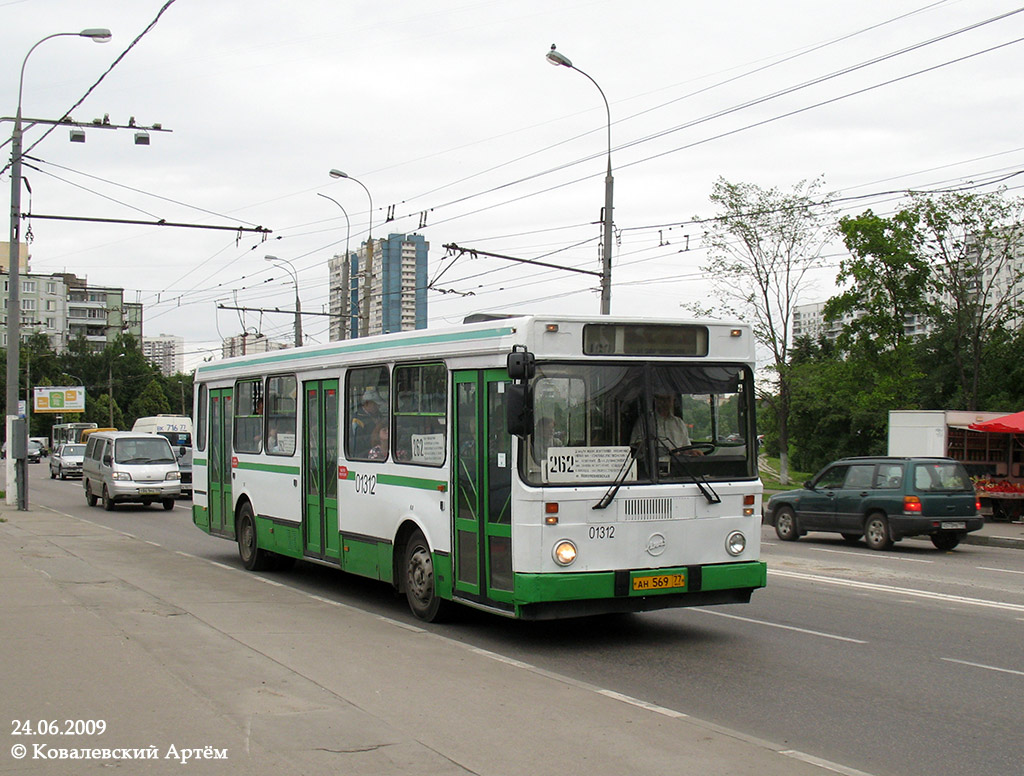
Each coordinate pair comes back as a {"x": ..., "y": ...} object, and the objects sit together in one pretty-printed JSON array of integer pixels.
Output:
[{"x": 67, "y": 461}]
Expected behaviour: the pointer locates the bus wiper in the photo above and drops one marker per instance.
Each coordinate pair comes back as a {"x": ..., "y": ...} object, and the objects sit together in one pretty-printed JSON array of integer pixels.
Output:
[
  {"x": 627, "y": 465},
  {"x": 698, "y": 479}
]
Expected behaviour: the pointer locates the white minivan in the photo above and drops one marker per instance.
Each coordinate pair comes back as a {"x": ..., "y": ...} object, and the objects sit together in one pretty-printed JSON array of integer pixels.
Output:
[
  {"x": 178, "y": 430},
  {"x": 125, "y": 466}
]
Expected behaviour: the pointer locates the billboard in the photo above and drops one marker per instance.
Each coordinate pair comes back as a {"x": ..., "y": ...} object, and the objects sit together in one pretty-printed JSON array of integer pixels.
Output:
[{"x": 58, "y": 399}]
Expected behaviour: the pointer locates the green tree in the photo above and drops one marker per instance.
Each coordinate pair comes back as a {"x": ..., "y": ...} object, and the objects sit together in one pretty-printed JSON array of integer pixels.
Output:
[
  {"x": 760, "y": 248},
  {"x": 971, "y": 242},
  {"x": 151, "y": 401},
  {"x": 889, "y": 280}
]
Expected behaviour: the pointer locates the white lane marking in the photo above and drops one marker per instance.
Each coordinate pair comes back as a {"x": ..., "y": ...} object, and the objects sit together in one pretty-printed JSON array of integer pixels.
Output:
[
  {"x": 872, "y": 557},
  {"x": 958, "y": 599},
  {"x": 982, "y": 665},
  {"x": 822, "y": 634},
  {"x": 1005, "y": 571},
  {"x": 826, "y": 764}
]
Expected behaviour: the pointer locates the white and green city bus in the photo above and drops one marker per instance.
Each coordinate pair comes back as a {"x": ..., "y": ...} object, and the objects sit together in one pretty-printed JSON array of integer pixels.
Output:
[
  {"x": 513, "y": 464},
  {"x": 67, "y": 433}
]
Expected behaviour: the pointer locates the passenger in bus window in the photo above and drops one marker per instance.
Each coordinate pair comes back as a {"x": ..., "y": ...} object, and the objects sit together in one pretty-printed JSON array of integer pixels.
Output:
[
  {"x": 544, "y": 437},
  {"x": 272, "y": 445},
  {"x": 364, "y": 421},
  {"x": 379, "y": 443}
]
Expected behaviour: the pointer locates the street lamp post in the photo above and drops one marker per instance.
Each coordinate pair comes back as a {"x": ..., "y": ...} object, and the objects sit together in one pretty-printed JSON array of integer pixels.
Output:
[
  {"x": 298, "y": 305},
  {"x": 364, "y": 288},
  {"x": 16, "y": 470},
  {"x": 346, "y": 282},
  {"x": 560, "y": 60}
]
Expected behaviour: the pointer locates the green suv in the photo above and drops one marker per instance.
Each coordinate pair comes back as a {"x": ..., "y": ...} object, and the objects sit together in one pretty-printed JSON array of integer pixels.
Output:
[{"x": 881, "y": 499}]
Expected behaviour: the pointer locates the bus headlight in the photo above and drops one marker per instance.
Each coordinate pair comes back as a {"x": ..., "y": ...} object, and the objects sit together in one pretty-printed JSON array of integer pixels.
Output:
[
  {"x": 564, "y": 552},
  {"x": 735, "y": 543}
]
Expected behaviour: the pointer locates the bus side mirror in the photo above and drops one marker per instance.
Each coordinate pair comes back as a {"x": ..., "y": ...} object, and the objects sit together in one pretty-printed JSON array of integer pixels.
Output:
[
  {"x": 521, "y": 364},
  {"x": 518, "y": 410}
]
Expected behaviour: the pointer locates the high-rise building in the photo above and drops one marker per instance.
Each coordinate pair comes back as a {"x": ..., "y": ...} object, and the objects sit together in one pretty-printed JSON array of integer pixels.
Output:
[
  {"x": 397, "y": 288},
  {"x": 166, "y": 352}
]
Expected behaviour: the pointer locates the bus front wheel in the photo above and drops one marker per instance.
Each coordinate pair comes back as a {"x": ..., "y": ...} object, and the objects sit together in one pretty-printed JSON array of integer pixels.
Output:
[{"x": 419, "y": 580}]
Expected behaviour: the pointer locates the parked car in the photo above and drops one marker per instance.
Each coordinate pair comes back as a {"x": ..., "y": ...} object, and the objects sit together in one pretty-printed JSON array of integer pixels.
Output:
[
  {"x": 881, "y": 500},
  {"x": 34, "y": 451},
  {"x": 67, "y": 461}
]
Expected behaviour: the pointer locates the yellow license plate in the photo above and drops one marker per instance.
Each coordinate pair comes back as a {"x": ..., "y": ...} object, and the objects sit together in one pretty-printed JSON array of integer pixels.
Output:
[{"x": 659, "y": 582}]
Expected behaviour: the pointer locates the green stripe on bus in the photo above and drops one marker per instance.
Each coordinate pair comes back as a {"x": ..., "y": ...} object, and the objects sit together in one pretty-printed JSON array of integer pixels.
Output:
[
  {"x": 537, "y": 588},
  {"x": 199, "y": 462},
  {"x": 405, "y": 482},
  {"x": 357, "y": 347},
  {"x": 267, "y": 467}
]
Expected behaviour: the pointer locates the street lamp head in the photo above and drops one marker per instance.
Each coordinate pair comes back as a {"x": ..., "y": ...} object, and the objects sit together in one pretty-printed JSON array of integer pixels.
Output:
[
  {"x": 268, "y": 257},
  {"x": 98, "y": 34},
  {"x": 557, "y": 59},
  {"x": 338, "y": 174}
]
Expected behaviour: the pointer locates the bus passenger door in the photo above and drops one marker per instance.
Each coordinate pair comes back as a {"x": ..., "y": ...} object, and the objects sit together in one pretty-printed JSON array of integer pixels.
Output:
[
  {"x": 320, "y": 469},
  {"x": 222, "y": 518},
  {"x": 482, "y": 480}
]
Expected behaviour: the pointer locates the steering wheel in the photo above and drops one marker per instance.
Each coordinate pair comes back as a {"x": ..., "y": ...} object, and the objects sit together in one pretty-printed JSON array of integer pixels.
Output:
[{"x": 700, "y": 447}]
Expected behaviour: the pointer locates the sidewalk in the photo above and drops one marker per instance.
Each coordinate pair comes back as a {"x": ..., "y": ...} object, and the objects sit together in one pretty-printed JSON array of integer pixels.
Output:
[
  {"x": 998, "y": 535},
  {"x": 184, "y": 658}
]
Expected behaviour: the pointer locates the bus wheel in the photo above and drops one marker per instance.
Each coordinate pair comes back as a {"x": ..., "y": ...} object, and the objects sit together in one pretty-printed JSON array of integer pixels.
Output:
[
  {"x": 419, "y": 580},
  {"x": 253, "y": 558}
]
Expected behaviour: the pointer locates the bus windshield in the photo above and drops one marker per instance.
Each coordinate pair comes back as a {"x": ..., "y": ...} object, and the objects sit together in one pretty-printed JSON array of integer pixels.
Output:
[{"x": 640, "y": 423}]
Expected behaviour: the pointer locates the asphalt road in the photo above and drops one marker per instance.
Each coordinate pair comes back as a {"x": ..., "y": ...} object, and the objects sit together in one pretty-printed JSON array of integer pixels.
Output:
[{"x": 906, "y": 662}]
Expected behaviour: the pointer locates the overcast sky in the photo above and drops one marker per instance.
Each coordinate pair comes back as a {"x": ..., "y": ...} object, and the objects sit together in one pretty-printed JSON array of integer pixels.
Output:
[{"x": 450, "y": 115}]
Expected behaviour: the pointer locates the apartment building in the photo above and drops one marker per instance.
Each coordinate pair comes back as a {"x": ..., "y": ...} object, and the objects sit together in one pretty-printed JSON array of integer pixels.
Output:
[{"x": 397, "y": 288}]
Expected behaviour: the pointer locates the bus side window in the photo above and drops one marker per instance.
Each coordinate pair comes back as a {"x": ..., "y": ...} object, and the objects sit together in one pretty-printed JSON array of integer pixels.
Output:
[
  {"x": 366, "y": 408},
  {"x": 249, "y": 416}
]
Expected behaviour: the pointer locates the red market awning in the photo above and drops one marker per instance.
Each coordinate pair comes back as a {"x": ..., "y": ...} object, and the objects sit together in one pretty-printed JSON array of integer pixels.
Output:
[{"x": 1007, "y": 424}]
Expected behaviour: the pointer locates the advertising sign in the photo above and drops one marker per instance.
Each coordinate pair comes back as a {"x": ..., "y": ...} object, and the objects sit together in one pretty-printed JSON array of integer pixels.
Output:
[{"x": 58, "y": 399}]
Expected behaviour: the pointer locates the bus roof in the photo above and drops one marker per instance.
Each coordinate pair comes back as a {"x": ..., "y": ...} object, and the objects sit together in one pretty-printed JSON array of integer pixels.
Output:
[{"x": 491, "y": 333}]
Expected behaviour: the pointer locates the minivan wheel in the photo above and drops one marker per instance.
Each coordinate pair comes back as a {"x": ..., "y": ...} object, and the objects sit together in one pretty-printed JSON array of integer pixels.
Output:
[
  {"x": 876, "y": 532},
  {"x": 785, "y": 525},
  {"x": 108, "y": 502},
  {"x": 946, "y": 541},
  {"x": 168, "y": 504},
  {"x": 90, "y": 497}
]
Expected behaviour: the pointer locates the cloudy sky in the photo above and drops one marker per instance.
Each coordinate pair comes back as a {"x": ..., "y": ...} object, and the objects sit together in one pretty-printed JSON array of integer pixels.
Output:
[{"x": 449, "y": 114}]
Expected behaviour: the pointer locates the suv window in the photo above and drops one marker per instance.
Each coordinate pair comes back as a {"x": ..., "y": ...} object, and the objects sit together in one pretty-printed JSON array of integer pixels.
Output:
[
  {"x": 860, "y": 476},
  {"x": 889, "y": 476},
  {"x": 941, "y": 475},
  {"x": 833, "y": 477}
]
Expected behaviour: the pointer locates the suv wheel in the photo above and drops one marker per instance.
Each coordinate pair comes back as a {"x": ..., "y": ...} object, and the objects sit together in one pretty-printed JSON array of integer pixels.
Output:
[
  {"x": 785, "y": 524},
  {"x": 876, "y": 532},
  {"x": 946, "y": 541}
]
